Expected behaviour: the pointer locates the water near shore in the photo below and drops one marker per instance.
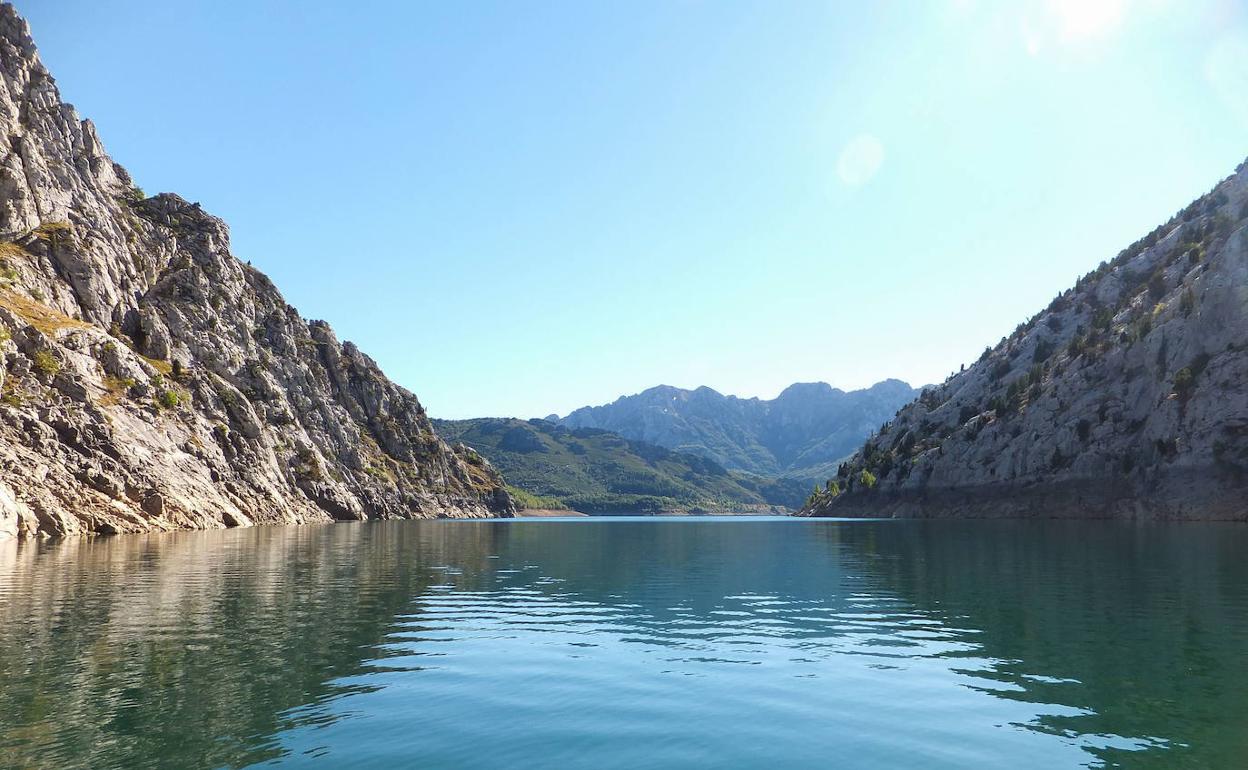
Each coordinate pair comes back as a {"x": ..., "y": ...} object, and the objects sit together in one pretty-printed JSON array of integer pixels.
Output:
[{"x": 627, "y": 643}]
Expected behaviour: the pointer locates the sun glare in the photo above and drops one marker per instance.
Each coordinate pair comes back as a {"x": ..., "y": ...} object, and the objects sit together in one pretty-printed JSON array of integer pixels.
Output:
[
  {"x": 1081, "y": 19},
  {"x": 860, "y": 159}
]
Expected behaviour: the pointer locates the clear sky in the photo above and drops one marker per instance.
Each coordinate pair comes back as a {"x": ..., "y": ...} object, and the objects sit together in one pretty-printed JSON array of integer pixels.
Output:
[{"x": 519, "y": 208}]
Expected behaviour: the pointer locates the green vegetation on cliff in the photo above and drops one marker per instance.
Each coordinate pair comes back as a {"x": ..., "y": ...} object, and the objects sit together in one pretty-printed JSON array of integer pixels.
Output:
[{"x": 1124, "y": 396}]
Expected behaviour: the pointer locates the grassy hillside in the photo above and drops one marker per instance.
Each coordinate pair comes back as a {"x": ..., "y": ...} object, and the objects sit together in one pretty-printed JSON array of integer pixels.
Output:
[{"x": 596, "y": 471}]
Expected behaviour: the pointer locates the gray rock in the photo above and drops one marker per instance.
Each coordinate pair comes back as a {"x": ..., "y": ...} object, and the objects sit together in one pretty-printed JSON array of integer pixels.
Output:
[
  {"x": 154, "y": 505},
  {"x": 1124, "y": 398},
  {"x": 270, "y": 420}
]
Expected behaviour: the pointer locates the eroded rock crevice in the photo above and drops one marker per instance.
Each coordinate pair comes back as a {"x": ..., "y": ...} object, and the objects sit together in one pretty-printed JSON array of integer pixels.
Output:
[{"x": 151, "y": 380}]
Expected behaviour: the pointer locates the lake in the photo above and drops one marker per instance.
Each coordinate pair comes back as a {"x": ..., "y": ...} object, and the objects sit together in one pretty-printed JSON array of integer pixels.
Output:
[{"x": 625, "y": 643}]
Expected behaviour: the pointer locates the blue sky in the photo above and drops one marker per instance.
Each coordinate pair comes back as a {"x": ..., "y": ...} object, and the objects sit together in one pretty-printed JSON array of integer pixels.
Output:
[{"x": 521, "y": 208}]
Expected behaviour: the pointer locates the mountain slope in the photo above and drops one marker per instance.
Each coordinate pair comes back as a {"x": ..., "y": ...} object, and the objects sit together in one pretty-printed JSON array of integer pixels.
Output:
[
  {"x": 596, "y": 471},
  {"x": 1125, "y": 397},
  {"x": 153, "y": 381},
  {"x": 799, "y": 433}
]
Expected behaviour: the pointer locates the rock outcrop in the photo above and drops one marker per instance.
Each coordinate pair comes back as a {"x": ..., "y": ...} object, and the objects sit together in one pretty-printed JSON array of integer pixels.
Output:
[
  {"x": 802, "y": 433},
  {"x": 151, "y": 380},
  {"x": 1126, "y": 397}
]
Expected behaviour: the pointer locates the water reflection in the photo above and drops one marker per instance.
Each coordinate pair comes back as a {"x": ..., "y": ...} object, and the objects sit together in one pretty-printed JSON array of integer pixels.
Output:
[{"x": 622, "y": 643}]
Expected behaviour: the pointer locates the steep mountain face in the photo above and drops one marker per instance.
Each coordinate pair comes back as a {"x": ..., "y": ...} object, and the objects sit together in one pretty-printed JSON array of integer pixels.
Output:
[
  {"x": 150, "y": 380},
  {"x": 801, "y": 433},
  {"x": 596, "y": 471},
  {"x": 1126, "y": 397}
]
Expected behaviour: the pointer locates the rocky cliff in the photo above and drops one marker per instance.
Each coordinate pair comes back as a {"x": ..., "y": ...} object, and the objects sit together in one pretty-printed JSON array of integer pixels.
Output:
[
  {"x": 1126, "y": 397},
  {"x": 151, "y": 380},
  {"x": 802, "y": 433}
]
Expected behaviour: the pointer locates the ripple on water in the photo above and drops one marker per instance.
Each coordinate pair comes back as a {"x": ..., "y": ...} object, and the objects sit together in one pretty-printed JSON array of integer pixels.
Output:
[{"x": 625, "y": 644}]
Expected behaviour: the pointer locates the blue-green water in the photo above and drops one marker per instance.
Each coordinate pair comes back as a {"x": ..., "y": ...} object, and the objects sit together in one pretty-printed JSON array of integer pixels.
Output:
[{"x": 663, "y": 643}]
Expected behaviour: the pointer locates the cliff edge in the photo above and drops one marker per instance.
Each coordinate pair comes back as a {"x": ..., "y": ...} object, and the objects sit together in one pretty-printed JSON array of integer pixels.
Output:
[
  {"x": 151, "y": 380},
  {"x": 1126, "y": 397}
]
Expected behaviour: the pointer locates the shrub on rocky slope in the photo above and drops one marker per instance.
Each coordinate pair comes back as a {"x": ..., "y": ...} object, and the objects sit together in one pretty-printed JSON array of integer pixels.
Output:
[{"x": 1124, "y": 397}]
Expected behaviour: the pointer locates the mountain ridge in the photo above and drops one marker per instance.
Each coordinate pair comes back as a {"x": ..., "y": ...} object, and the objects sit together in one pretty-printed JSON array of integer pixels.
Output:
[
  {"x": 797, "y": 434},
  {"x": 597, "y": 471}
]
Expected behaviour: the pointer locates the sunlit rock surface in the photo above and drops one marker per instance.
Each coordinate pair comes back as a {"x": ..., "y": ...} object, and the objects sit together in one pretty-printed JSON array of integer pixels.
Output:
[{"x": 151, "y": 380}]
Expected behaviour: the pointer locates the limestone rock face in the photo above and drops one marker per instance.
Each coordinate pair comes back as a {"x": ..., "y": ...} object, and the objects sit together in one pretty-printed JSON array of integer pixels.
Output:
[
  {"x": 150, "y": 380},
  {"x": 1126, "y": 397}
]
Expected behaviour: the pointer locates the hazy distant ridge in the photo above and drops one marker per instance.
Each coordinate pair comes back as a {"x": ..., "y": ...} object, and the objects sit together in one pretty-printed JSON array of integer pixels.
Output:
[
  {"x": 596, "y": 471},
  {"x": 800, "y": 433}
]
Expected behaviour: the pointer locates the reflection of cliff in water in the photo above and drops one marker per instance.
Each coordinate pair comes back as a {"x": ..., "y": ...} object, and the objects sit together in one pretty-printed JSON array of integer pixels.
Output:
[
  {"x": 204, "y": 649},
  {"x": 699, "y": 562},
  {"x": 1144, "y": 625},
  {"x": 1140, "y": 629},
  {"x": 186, "y": 649},
  {"x": 195, "y": 649}
]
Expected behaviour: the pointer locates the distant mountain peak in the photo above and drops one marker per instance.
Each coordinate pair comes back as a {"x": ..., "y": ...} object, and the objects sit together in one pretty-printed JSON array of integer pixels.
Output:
[
  {"x": 800, "y": 432},
  {"x": 808, "y": 389},
  {"x": 596, "y": 471}
]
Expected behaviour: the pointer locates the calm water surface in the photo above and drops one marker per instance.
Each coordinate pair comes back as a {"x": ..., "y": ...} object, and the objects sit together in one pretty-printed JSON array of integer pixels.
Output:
[{"x": 664, "y": 643}]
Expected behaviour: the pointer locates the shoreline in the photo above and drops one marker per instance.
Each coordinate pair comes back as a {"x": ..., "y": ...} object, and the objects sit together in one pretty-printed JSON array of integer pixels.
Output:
[{"x": 539, "y": 513}]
